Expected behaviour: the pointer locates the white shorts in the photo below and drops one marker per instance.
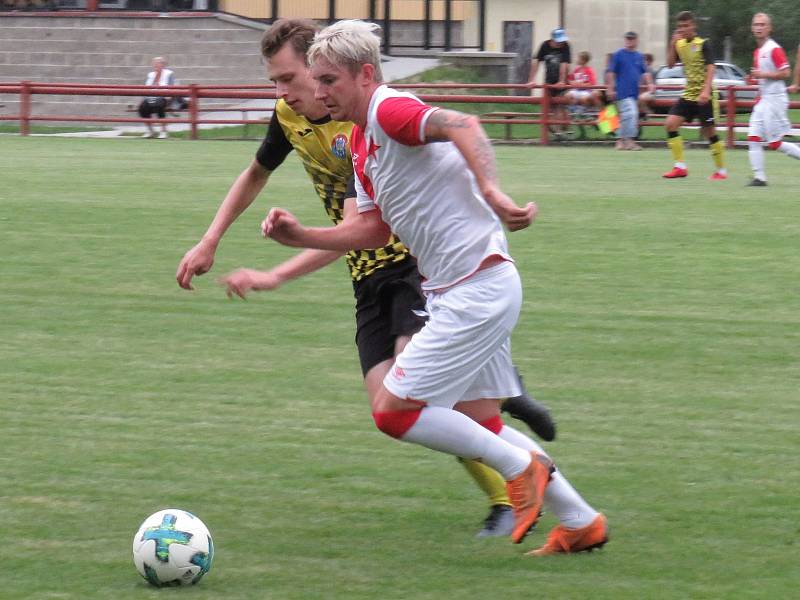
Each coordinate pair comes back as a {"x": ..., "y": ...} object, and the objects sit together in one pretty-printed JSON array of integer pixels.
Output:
[
  {"x": 769, "y": 120},
  {"x": 464, "y": 350}
]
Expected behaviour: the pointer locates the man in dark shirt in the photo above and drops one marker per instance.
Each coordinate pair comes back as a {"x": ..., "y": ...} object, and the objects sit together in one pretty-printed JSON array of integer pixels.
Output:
[{"x": 556, "y": 56}]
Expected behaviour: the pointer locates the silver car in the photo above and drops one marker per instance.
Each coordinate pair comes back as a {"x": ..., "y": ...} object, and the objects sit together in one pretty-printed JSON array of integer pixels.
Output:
[{"x": 725, "y": 74}]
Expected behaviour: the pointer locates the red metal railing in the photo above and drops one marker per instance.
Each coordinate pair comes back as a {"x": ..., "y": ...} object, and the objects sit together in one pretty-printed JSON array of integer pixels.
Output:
[{"x": 195, "y": 93}]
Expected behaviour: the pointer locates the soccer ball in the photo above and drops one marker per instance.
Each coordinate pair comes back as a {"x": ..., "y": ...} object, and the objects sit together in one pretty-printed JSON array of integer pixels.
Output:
[{"x": 172, "y": 547}]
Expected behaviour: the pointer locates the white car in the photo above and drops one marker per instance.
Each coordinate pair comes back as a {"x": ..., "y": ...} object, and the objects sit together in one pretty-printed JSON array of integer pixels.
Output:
[{"x": 725, "y": 74}]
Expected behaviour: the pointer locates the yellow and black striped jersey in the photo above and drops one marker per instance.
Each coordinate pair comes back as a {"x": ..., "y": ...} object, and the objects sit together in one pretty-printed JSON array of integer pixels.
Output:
[
  {"x": 695, "y": 54},
  {"x": 323, "y": 146}
]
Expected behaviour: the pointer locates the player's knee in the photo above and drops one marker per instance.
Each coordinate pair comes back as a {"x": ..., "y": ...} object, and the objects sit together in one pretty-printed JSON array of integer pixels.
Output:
[
  {"x": 775, "y": 145},
  {"x": 396, "y": 423},
  {"x": 493, "y": 424}
]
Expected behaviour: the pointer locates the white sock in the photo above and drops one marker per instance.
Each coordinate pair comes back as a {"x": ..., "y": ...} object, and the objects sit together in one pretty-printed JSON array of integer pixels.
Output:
[
  {"x": 560, "y": 497},
  {"x": 680, "y": 165},
  {"x": 756, "y": 153},
  {"x": 788, "y": 149},
  {"x": 450, "y": 431}
]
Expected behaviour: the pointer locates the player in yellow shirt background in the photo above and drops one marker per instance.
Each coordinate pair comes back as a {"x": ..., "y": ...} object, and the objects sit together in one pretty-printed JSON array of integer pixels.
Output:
[{"x": 699, "y": 99}]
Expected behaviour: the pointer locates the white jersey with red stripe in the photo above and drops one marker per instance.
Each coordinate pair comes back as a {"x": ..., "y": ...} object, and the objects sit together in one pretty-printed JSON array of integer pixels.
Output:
[
  {"x": 770, "y": 57},
  {"x": 425, "y": 191}
]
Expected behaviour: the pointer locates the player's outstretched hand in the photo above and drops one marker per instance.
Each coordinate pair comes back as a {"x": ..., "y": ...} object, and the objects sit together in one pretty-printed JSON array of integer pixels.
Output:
[
  {"x": 282, "y": 226},
  {"x": 196, "y": 261},
  {"x": 514, "y": 217},
  {"x": 242, "y": 281}
]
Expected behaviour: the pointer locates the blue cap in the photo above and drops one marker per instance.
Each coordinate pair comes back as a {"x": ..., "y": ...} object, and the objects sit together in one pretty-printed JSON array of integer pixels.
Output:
[{"x": 559, "y": 35}]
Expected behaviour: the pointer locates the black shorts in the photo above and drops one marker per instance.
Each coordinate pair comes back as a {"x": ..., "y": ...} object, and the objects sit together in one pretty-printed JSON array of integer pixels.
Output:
[
  {"x": 384, "y": 304},
  {"x": 689, "y": 110},
  {"x": 149, "y": 107}
]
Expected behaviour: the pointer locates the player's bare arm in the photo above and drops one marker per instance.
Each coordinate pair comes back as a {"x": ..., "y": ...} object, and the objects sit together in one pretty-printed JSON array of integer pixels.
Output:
[
  {"x": 242, "y": 281},
  {"x": 466, "y": 133},
  {"x": 672, "y": 55},
  {"x": 796, "y": 76},
  {"x": 362, "y": 230},
  {"x": 199, "y": 259},
  {"x": 781, "y": 74}
]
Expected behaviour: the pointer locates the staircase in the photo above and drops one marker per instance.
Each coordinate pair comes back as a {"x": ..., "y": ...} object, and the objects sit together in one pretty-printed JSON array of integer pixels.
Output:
[{"x": 207, "y": 50}]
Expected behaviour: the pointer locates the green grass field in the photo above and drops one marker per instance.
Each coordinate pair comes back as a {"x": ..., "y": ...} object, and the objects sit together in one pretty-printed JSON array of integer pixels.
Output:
[{"x": 661, "y": 325}]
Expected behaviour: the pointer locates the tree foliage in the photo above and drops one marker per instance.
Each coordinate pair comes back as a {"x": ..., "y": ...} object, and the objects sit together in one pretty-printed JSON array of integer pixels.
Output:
[{"x": 718, "y": 19}]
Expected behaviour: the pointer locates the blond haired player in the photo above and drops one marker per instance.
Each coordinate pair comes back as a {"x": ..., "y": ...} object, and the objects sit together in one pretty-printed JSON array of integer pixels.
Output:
[
  {"x": 769, "y": 121},
  {"x": 429, "y": 175}
]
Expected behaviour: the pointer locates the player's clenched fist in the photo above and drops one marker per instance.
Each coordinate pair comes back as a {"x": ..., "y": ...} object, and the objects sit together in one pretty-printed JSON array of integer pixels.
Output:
[
  {"x": 514, "y": 217},
  {"x": 282, "y": 226}
]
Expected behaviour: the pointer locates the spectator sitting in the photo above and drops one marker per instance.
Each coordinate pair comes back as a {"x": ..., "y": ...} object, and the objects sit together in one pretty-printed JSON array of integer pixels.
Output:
[
  {"x": 581, "y": 79},
  {"x": 157, "y": 105}
]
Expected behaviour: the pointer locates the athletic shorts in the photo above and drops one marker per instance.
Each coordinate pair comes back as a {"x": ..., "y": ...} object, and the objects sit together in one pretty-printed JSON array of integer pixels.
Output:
[
  {"x": 150, "y": 106},
  {"x": 385, "y": 305},
  {"x": 689, "y": 110},
  {"x": 464, "y": 350},
  {"x": 769, "y": 120}
]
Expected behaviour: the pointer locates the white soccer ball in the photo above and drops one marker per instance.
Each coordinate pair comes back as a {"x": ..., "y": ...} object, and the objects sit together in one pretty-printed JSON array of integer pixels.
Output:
[{"x": 172, "y": 547}]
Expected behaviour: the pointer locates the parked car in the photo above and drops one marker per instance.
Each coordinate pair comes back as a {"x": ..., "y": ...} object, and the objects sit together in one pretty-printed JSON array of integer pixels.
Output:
[{"x": 725, "y": 74}]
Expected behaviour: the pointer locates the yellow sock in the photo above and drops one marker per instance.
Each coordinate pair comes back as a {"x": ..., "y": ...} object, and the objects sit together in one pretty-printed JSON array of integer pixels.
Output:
[
  {"x": 489, "y": 480},
  {"x": 718, "y": 154},
  {"x": 676, "y": 147}
]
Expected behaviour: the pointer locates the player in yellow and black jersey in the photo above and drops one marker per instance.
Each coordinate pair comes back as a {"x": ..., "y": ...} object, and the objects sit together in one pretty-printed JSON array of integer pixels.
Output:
[
  {"x": 699, "y": 99},
  {"x": 389, "y": 302},
  {"x": 323, "y": 146}
]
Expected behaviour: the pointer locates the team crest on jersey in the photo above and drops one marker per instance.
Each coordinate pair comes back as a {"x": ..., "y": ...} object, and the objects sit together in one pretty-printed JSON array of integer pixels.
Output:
[{"x": 339, "y": 146}]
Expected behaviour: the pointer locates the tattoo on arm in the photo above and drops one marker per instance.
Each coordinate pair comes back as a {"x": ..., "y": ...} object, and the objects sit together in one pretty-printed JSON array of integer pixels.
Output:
[
  {"x": 447, "y": 119},
  {"x": 485, "y": 158}
]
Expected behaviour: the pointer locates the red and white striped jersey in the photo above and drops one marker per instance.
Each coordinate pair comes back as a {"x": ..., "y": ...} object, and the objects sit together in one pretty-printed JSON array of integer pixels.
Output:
[
  {"x": 425, "y": 191},
  {"x": 770, "y": 57}
]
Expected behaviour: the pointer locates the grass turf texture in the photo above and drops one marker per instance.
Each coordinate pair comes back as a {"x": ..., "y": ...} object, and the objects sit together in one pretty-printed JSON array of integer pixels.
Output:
[{"x": 660, "y": 324}]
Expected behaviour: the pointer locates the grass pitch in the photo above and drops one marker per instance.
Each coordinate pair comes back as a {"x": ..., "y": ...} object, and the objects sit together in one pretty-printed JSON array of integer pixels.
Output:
[{"x": 661, "y": 325}]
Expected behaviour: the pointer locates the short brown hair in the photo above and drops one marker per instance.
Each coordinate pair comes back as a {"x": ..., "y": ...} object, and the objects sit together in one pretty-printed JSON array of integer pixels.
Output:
[
  {"x": 684, "y": 15},
  {"x": 297, "y": 32},
  {"x": 585, "y": 56}
]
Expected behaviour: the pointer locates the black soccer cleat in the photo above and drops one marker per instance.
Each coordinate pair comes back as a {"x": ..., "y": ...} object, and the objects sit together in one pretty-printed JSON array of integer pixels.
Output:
[
  {"x": 757, "y": 183},
  {"x": 534, "y": 415},
  {"x": 499, "y": 523}
]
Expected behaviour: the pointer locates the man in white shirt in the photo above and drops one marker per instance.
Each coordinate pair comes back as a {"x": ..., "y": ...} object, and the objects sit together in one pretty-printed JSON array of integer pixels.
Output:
[
  {"x": 444, "y": 201},
  {"x": 159, "y": 76},
  {"x": 769, "y": 121}
]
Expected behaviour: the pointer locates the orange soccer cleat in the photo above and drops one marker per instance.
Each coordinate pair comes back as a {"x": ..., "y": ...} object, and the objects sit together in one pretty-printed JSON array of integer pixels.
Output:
[
  {"x": 675, "y": 173},
  {"x": 717, "y": 176},
  {"x": 564, "y": 540},
  {"x": 527, "y": 492}
]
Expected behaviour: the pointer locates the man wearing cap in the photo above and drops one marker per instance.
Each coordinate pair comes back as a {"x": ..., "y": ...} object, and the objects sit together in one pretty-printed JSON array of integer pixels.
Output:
[
  {"x": 625, "y": 70},
  {"x": 555, "y": 54}
]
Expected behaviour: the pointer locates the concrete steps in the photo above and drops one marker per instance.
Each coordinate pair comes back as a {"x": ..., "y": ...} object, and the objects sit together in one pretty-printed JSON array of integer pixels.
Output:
[{"x": 212, "y": 50}]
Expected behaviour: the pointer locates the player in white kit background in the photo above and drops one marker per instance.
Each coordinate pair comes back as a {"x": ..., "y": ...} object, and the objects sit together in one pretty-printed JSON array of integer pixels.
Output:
[
  {"x": 429, "y": 176},
  {"x": 769, "y": 121}
]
